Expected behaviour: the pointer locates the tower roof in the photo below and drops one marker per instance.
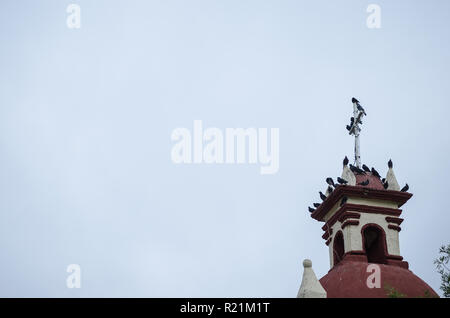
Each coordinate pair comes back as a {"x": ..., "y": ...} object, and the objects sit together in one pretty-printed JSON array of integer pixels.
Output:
[
  {"x": 365, "y": 185},
  {"x": 349, "y": 280},
  {"x": 340, "y": 191}
]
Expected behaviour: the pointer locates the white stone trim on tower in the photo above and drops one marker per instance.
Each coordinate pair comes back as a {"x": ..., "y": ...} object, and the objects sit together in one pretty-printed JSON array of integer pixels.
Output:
[
  {"x": 348, "y": 175},
  {"x": 392, "y": 180},
  {"x": 310, "y": 286},
  {"x": 353, "y": 237}
]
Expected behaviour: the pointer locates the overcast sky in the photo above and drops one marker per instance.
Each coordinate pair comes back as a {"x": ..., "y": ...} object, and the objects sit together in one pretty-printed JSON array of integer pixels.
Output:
[{"x": 86, "y": 117}]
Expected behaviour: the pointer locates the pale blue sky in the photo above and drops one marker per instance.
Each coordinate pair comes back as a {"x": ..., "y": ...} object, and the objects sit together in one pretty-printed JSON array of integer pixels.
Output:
[{"x": 86, "y": 117}]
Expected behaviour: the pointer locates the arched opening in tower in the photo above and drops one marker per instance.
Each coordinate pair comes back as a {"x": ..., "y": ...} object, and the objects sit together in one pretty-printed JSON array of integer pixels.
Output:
[
  {"x": 338, "y": 248},
  {"x": 374, "y": 244}
]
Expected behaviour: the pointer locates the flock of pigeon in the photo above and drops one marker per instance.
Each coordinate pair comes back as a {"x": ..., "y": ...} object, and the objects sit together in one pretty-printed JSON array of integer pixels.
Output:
[
  {"x": 357, "y": 171},
  {"x": 352, "y": 119}
]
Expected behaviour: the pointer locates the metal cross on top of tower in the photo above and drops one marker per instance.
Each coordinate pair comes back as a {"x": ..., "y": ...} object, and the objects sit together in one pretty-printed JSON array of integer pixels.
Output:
[{"x": 354, "y": 128}]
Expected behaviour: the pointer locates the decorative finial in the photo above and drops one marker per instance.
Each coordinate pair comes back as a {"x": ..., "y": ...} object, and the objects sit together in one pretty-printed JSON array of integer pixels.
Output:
[
  {"x": 355, "y": 129},
  {"x": 390, "y": 180},
  {"x": 310, "y": 286},
  {"x": 307, "y": 263}
]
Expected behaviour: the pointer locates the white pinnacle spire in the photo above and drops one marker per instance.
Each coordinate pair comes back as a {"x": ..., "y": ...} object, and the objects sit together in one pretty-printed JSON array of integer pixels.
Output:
[
  {"x": 348, "y": 175},
  {"x": 310, "y": 287},
  {"x": 392, "y": 180}
]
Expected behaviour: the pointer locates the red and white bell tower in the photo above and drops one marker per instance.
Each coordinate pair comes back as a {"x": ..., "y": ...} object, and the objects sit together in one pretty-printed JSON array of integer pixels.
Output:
[
  {"x": 363, "y": 222},
  {"x": 361, "y": 215}
]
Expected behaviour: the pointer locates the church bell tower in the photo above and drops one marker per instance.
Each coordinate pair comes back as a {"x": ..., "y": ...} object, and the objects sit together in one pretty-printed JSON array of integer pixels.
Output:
[
  {"x": 362, "y": 218},
  {"x": 361, "y": 212}
]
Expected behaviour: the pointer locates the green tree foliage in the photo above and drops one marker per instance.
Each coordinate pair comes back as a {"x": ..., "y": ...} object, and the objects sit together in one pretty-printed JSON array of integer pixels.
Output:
[
  {"x": 391, "y": 292},
  {"x": 441, "y": 265}
]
